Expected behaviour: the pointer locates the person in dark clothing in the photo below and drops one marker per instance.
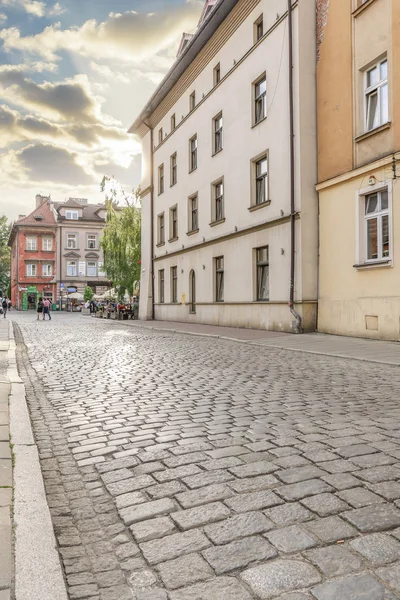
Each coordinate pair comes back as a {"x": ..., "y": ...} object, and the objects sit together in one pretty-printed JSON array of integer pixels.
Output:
[
  {"x": 4, "y": 305},
  {"x": 39, "y": 308}
]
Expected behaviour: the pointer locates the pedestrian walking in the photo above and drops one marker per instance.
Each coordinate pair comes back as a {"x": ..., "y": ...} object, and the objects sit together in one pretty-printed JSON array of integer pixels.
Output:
[
  {"x": 4, "y": 305},
  {"x": 39, "y": 308},
  {"x": 46, "y": 309},
  {"x": 9, "y": 305}
]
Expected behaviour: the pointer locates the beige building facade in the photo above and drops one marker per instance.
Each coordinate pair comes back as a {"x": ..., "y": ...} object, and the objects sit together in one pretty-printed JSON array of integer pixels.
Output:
[
  {"x": 229, "y": 221},
  {"x": 358, "y": 167}
]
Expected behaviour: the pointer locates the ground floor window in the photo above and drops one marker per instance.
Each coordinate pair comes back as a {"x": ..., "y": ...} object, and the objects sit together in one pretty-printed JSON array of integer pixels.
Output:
[
  {"x": 376, "y": 215},
  {"x": 262, "y": 257},
  {"x": 219, "y": 279},
  {"x": 71, "y": 268},
  {"x": 174, "y": 284},
  {"x": 161, "y": 282}
]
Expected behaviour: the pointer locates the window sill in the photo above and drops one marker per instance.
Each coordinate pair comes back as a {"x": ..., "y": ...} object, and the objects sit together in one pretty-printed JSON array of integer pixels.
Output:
[
  {"x": 362, "y": 7},
  {"x": 192, "y": 170},
  {"x": 174, "y": 239},
  {"x": 76, "y": 249},
  {"x": 379, "y": 264},
  {"x": 160, "y": 193},
  {"x": 48, "y": 251},
  {"x": 172, "y": 184},
  {"x": 92, "y": 249},
  {"x": 192, "y": 232},
  {"x": 215, "y": 153},
  {"x": 258, "y": 206},
  {"x": 259, "y": 122},
  {"x": 160, "y": 244},
  {"x": 372, "y": 132},
  {"x": 26, "y": 250},
  {"x": 214, "y": 223}
]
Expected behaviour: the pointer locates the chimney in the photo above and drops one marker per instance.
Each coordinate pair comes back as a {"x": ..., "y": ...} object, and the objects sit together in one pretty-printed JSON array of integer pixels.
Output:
[
  {"x": 21, "y": 217},
  {"x": 40, "y": 199}
]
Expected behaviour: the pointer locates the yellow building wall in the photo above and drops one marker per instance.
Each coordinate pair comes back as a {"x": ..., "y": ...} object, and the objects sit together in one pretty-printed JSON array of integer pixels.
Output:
[{"x": 356, "y": 302}]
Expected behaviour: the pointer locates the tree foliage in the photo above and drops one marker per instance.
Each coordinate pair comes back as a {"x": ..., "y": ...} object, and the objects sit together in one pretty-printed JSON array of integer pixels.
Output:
[
  {"x": 87, "y": 293},
  {"x": 5, "y": 229},
  {"x": 121, "y": 239}
]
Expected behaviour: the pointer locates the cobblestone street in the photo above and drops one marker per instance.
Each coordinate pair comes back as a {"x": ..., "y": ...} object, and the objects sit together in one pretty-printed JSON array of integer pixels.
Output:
[{"x": 191, "y": 468}]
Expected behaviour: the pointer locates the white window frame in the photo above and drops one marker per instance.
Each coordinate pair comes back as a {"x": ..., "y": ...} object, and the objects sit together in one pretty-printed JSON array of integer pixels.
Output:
[
  {"x": 218, "y": 133},
  {"x": 46, "y": 242},
  {"x": 174, "y": 169},
  {"x": 161, "y": 179},
  {"x": 88, "y": 240},
  {"x": 260, "y": 97},
  {"x": 47, "y": 270},
  {"x": 361, "y": 225},
  {"x": 31, "y": 243},
  {"x": 72, "y": 265},
  {"x": 376, "y": 89},
  {"x": 75, "y": 246},
  {"x": 73, "y": 215},
  {"x": 161, "y": 229},
  {"x": 193, "y": 150},
  {"x": 31, "y": 269},
  {"x": 193, "y": 213},
  {"x": 88, "y": 268}
]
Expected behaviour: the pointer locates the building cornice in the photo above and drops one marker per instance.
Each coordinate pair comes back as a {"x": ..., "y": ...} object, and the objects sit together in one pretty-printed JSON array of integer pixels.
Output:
[{"x": 362, "y": 170}]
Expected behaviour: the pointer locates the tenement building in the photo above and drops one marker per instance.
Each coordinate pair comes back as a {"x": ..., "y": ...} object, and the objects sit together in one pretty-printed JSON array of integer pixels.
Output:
[
  {"x": 358, "y": 83},
  {"x": 229, "y": 207}
]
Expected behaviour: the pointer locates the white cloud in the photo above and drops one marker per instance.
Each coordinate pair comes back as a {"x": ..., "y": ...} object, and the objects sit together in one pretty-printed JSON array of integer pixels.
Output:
[
  {"x": 32, "y": 7},
  {"x": 56, "y": 10},
  {"x": 3, "y": 18}
]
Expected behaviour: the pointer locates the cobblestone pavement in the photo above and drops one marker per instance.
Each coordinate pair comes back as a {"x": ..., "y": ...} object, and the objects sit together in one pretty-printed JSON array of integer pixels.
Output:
[{"x": 185, "y": 468}]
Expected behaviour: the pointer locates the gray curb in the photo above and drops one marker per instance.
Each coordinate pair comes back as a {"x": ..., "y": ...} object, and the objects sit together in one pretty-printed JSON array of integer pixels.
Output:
[{"x": 38, "y": 572}]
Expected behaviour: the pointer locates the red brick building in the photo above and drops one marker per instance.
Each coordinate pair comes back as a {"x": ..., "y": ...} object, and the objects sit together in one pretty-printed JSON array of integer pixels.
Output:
[{"x": 33, "y": 256}]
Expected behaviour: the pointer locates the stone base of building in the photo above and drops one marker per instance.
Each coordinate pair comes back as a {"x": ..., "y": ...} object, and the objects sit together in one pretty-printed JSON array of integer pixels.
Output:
[
  {"x": 252, "y": 315},
  {"x": 375, "y": 318}
]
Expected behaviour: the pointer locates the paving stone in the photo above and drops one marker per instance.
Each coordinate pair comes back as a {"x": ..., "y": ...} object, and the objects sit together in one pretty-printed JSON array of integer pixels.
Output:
[
  {"x": 342, "y": 481},
  {"x": 164, "y": 490},
  {"x": 253, "y": 501},
  {"x": 185, "y": 459},
  {"x": 204, "y": 495},
  {"x": 291, "y": 539},
  {"x": 239, "y": 554},
  {"x": 118, "y": 475},
  {"x": 152, "y": 594},
  {"x": 117, "y": 464},
  {"x": 152, "y": 529},
  {"x": 359, "y": 497},
  {"x": 279, "y": 576},
  {"x": 142, "y": 580},
  {"x": 363, "y": 586},
  {"x": 297, "y": 491},
  {"x": 378, "y": 474},
  {"x": 378, "y": 517},
  {"x": 197, "y": 481},
  {"x": 185, "y": 570},
  {"x": 174, "y": 545},
  {"x": 390, "y": 490},
  {"x": 239, "y": 526},
  {"x": 221, "y": 463},
  {"x": 83, "y": 591},
  {"x": 177, "y": 473},
  {"x": 119, "y": 592},
  {"x": 391, "y": 576},
  {"x": 228, "y": 451},
  {"x": 130, "y": 499},
  {"x": 334, "y": 560},
  {"x": 377, "y": 548},
  {"x": 250, "y": 484},
  {"x": 298, "y": 474},
  {"x": 127, "y": 550},
  {"x": 325, "y": 504},
  {"x": 355, "y": 450},
  {"x": 147, "y": 510},
  {"x": 108, "y": 579},
  {"x": 338, "y": 466},
  {"x": 130, "y": 485},
  {"x": 288, "y": 514},
  {"x": 331, "y": 529},
  {"x": 221, "y": 588},
  {"x": 146, "y": 468},
  {"x": 200, "y": 515}
]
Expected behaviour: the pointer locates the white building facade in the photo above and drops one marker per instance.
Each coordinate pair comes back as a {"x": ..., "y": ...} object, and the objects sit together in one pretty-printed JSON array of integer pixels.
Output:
[{"x": 230, "y": 223}]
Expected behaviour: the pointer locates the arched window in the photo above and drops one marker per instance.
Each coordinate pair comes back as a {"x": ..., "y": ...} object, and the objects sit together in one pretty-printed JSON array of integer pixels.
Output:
[{"x": 192, "y": 291}]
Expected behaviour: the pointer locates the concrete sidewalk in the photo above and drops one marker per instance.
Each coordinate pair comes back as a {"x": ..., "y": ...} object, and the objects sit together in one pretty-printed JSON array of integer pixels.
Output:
[{"x": 314, "y": 343}]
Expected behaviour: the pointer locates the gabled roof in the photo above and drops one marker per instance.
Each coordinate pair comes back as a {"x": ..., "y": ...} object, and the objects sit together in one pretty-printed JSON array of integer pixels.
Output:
[
  {"x": 89, "y": 211},
  {"x": 71, "y": 203},
  {"x": 41, "y": 216},
  {"x": 186, "y": 37},
  {"x": 208, "y": 6}
]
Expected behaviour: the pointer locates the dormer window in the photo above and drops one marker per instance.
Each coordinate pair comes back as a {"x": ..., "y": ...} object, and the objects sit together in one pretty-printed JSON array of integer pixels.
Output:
[{"x": 72, "y": 214}]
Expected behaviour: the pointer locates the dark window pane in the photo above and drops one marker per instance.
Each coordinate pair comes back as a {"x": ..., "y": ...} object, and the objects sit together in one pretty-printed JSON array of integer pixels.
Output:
[{"x": 372, "y": 239}]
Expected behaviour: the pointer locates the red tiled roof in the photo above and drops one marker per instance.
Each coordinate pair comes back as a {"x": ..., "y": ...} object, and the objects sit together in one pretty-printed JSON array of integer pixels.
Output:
[{"x": 43, "y": 211}]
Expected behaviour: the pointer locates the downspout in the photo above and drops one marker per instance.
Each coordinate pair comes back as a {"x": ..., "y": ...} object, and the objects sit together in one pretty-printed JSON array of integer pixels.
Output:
[
  {"x": 298, "y": 325},
  {"x": 151, "y": 218}
]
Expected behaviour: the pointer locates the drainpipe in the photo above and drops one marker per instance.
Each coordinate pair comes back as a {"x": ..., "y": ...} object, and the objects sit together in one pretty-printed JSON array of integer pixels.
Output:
[
  {"x": 151, "y": 217},
  {"x": 298, "y": 325}
]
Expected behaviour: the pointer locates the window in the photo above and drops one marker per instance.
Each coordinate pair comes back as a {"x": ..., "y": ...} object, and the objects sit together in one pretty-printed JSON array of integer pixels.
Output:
[
  {"x": 72, "y": 214},
  {"x": 47, "y": 244},
  {"x": 193, "y": 153},
  {"x": 376, "y": 95},
  {"x": 192, "y": 101},
  {"x": 71, "y": 268},
  {"x": 258, "y": 29},
  {"x": 161, "y": 286},
  {"x": 161, "y": 229},
  {"x": 92, "y": 269},
  {"x": 193, "y": 214},
  {"x": 173, "y": 122},
  {"x": 217, "y": 127},
  {"x": 31, "y": 243},
  {"x": 218, "y": 201},
  {"x": 260, "y": 100},
  {"x": 72, "y": 240},
  {"x": 261, "y": 172},
  {"x": 160, "y": 135},
  {"x": 173, "y": 221},
  {"x": 217, "y": 74},
  {"x": 219, "y": 279},
  {"x": 91, "y": 242},
  {"x": 262, "y": 273},
  {"x": 47, "y": 270},
  {"x": 174, "y": 169},
  {"x": 377, "y": 226},
  {"x": 31, "y": 270},
  {"x": 174, "y": 284},
  {"x": 192, "y": 292},
  {"x": 161, "y": 179}
]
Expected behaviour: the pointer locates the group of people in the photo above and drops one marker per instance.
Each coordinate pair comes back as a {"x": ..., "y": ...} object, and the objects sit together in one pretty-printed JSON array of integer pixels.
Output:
[
  {"x": 43, "y": 308},
  {"x": 5, "y": 305}
]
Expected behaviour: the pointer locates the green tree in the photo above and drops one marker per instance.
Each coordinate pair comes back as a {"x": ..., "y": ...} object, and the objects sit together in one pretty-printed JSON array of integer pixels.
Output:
[
  {"x": 121, "y": 239},
  {"x": 87, "y": 294},
  {"x": 5, "y": 229}
]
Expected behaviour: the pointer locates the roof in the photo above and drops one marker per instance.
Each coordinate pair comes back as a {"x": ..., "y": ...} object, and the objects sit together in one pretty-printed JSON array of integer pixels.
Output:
[
  {"x": 40, "y": 217},
  {"x": 211, "y": 21},
  {"x": 89, "y": 211}
]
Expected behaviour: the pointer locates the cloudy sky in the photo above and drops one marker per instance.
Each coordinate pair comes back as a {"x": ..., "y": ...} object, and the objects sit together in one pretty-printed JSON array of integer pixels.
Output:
[{"x": 74, "y": 75}]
